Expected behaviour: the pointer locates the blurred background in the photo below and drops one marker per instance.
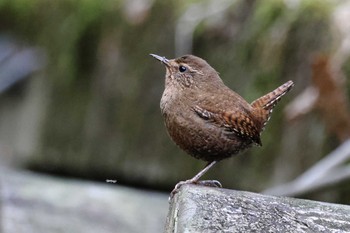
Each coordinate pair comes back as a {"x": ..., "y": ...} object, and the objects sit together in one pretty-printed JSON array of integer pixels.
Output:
[{"x": 82, "y": 142}]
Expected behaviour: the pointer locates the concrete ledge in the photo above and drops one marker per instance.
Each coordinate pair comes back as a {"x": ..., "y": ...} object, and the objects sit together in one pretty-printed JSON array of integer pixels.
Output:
[
  {"x": 203, "y": 209},
  {"x": 37, "y": 203}
]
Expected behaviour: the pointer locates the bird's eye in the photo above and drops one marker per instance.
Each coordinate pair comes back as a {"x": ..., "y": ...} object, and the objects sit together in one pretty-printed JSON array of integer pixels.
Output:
[{"x": 182, "y": 69}]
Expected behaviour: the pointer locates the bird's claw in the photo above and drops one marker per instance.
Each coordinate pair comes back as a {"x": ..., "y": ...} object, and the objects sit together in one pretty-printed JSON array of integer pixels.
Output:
[
  {"x": 178, "y": 185},
  {"x": 208, "y": 183}
]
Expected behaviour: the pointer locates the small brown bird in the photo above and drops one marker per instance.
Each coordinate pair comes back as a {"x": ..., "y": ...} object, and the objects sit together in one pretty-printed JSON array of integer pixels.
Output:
[{"x": 207, "y": 119}]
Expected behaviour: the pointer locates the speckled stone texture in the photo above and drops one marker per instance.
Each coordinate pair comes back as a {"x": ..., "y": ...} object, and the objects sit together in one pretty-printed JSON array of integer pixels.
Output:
[
  {"x": 37, "y": 203},
  {"x": 203, "y": 209}
]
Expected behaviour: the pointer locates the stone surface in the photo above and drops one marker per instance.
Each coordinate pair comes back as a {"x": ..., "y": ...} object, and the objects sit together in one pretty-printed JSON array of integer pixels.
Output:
[
  {"x": 203, "y": 209},
  {"x": 45, "y": 204}
]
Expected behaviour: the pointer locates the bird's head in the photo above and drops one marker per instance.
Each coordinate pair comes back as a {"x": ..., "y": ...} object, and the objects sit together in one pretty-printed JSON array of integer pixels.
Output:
[{"x": 188, "y": 71}]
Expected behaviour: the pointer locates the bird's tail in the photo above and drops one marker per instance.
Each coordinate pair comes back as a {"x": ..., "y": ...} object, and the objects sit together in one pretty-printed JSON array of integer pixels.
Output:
[{"x": 264, "y": 105}]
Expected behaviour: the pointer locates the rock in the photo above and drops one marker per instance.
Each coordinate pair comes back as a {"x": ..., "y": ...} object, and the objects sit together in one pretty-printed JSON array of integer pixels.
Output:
[
  {"x": 38, "y": 203},
  {"x": 203, "y": 209}
]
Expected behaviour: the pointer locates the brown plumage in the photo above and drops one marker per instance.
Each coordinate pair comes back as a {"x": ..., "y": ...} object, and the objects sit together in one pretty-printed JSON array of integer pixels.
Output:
[{"x": 207, "y": 119}]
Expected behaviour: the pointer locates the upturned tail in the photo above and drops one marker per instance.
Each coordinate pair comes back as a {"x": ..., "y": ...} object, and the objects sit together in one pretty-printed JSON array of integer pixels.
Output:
[{"x": 264, "y": 105}]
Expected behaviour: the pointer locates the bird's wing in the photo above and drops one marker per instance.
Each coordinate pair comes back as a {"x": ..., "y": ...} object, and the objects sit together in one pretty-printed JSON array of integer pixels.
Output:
[{"x": 238, "y": 123}]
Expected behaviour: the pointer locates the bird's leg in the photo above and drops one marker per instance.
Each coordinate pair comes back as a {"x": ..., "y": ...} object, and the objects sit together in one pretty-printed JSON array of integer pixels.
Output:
[{"x": 195, "y": 180}]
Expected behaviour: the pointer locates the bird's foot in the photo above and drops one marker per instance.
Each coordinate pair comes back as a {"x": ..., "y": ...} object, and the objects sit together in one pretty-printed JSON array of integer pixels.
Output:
[
  {"x": 208, "y": 183},
  {"x": 178, "y": 185}
]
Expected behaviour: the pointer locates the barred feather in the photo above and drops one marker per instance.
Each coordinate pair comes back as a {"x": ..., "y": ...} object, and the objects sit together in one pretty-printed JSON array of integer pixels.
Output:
[{"x": 263, "y": 106}]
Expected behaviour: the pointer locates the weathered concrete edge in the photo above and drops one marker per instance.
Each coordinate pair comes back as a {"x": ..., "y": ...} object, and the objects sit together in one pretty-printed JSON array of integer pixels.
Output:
[{"x": 303, "y": 215}]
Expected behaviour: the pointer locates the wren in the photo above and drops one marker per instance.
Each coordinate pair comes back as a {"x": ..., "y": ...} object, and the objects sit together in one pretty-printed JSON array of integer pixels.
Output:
[{"x": 207, "y": 119}]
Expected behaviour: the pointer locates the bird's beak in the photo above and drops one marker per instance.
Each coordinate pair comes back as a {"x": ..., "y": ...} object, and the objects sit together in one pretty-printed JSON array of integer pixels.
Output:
[{"x": 161, "y": 59}]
